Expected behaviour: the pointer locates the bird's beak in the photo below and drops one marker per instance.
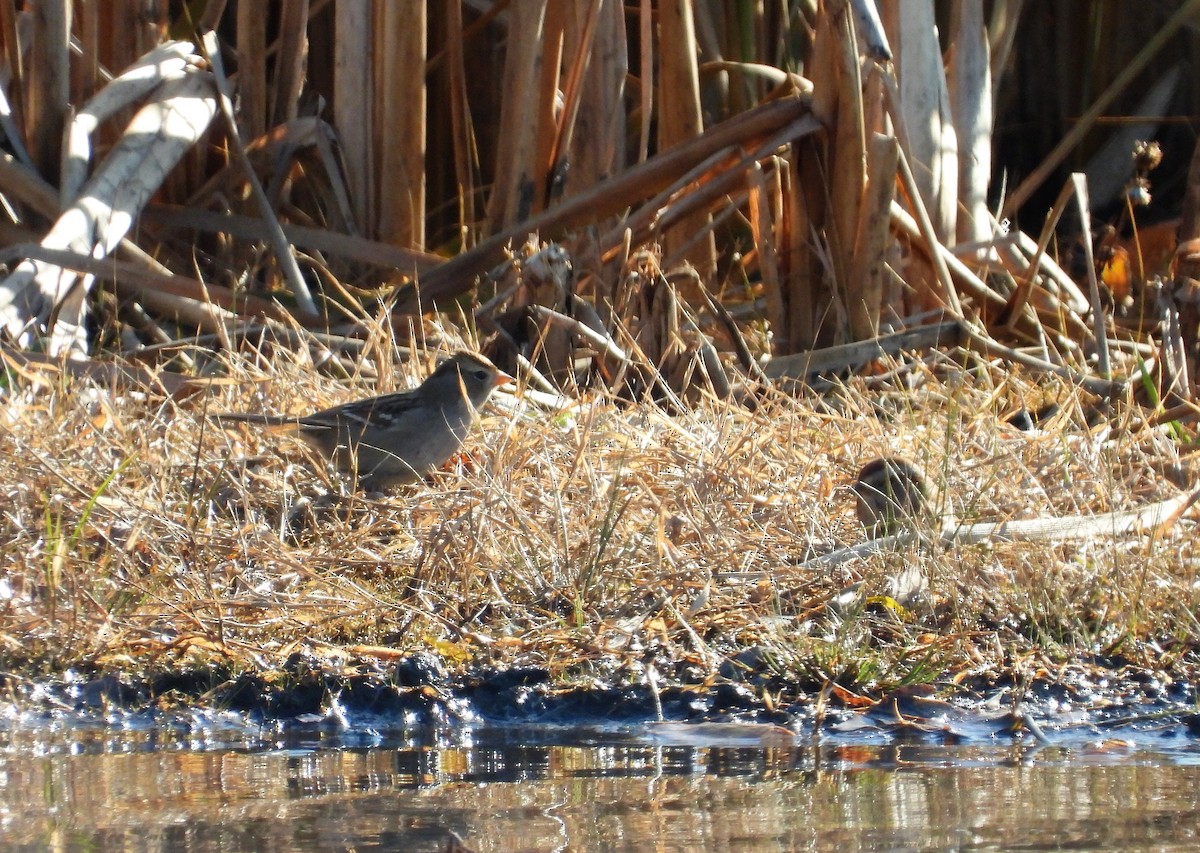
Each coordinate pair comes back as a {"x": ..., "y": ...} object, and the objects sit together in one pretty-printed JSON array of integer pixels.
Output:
[{"x": 502, "y": 378}]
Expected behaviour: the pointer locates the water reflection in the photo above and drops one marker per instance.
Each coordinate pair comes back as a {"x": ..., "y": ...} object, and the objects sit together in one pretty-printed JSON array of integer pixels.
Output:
[{"x": 614, "y": 797}]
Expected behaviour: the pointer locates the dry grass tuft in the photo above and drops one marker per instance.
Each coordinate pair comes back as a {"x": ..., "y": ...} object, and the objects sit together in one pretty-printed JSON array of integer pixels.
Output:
[{"x": 594, "y": 539}]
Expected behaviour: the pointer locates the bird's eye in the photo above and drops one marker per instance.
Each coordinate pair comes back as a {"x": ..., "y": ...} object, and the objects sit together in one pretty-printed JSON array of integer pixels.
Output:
[{"x": 481, "y": 374}]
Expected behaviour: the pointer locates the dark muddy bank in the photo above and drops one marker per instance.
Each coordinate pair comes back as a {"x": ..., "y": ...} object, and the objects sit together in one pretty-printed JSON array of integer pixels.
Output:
[{"x": 1094, "y": 700}]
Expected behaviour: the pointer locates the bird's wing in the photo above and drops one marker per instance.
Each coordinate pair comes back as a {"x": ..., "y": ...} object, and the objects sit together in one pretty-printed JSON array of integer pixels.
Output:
[{"x": 376, "y": 411}]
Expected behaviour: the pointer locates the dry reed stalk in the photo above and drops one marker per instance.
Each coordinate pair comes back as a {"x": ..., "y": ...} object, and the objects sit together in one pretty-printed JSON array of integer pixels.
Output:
[
  {"x": 85, "y": 69},
  {"x": 761, "y": 219},
  {"x": 846, "y": 161},
  {"x": 925, "y": 107},
  {"x": 134, "y": 28},
  {"x": 291, "y": 59},
  {"x": 556, "y": 91},
  {"x": 1065, "y": 289},
  {"x": 679, "y": 116},
  {"x": 635, "y": 184},
  {"x": 597, "y": 148},
  {"x": 939, "y": 257},
  {"x": 10, "y": 19},
  {"x": 809, "y": 295},
  {"x": 283, "y": 254},
  {"x": 251, "y": 70},
  {"x": 254, "y": 230},
  {"x": 530, "y": 77},
  {"x": 697, "y": 188},
  {"x": 353, "y": 95},
  {"x": 1025, "y": 285},
  {"x": 48, "y": 84},
  {"x": 798, "y": 320},
  {"x": 970, "y": 87},
  {"x": 462, "y": 131},
  {"x": 646, "y": 77},
  {"x": 577, "y": 43},
  {"x": 720, "y": 187},
  {"x": 868, "y": 260},
  {"x": 399, "y": 169}
]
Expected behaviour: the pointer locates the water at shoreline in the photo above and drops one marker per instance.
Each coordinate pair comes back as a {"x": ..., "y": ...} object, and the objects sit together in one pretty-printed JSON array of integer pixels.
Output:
[{"x": 655, "y": 787}]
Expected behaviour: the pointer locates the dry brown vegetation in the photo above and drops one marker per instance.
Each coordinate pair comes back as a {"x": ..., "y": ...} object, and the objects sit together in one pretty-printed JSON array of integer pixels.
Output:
[
  {"x": 592, "y": 539},
  {"x": 759, "y": 271}
]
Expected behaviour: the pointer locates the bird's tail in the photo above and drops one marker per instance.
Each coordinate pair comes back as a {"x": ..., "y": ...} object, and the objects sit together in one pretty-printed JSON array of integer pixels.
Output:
[{"x": 272, "y": 423}]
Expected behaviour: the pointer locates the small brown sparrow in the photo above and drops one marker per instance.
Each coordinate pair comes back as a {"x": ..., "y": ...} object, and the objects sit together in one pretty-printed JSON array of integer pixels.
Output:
[
  {"x": 889, "y": 493},
  {"x": 396, "y": 438}
]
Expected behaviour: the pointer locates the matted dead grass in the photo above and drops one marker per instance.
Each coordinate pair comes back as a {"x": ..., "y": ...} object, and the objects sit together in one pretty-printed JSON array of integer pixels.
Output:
[{"x": 593, "y": 539}]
